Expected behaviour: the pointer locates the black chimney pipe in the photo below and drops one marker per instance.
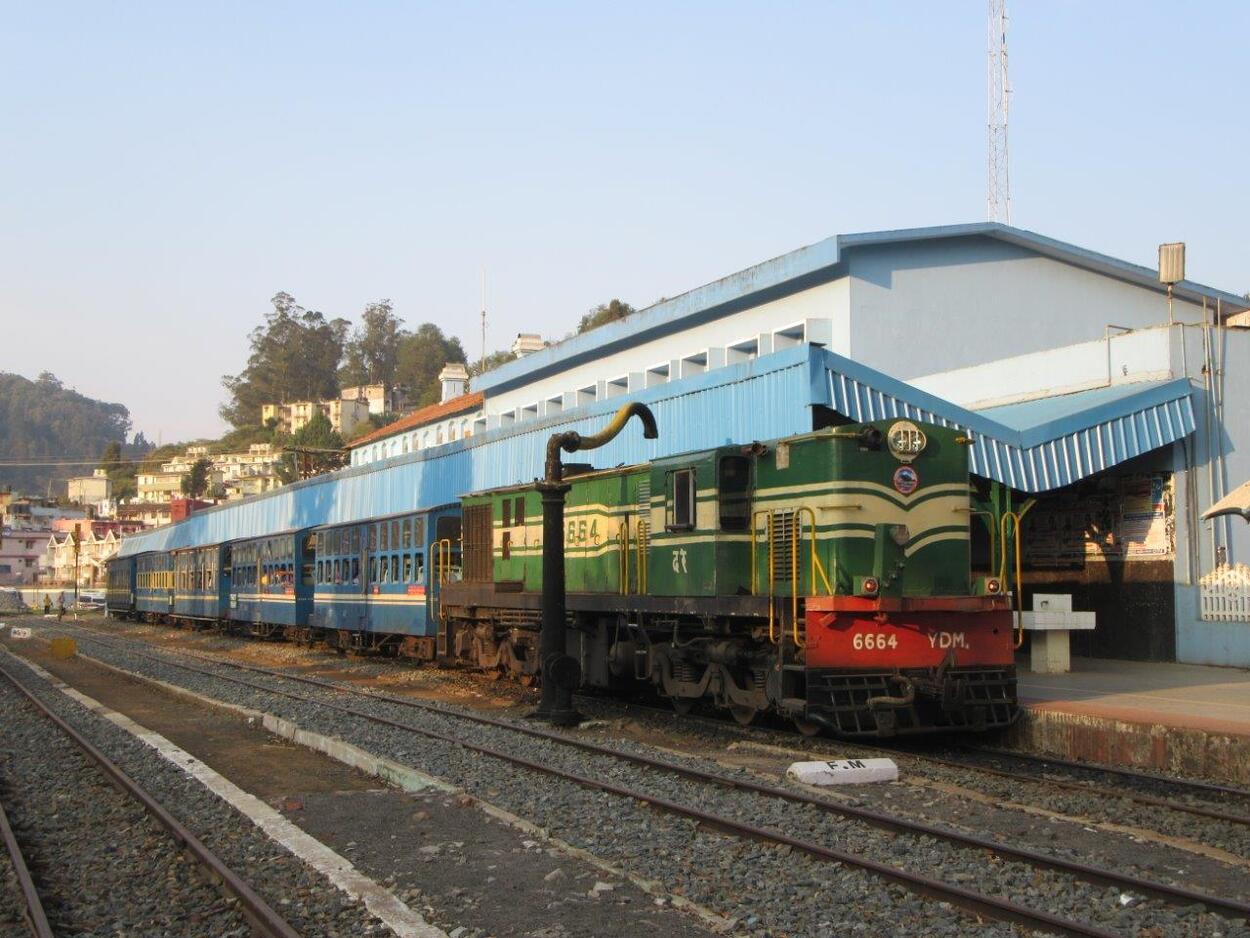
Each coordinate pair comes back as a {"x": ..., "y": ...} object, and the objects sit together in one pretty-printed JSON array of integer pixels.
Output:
[{"x": 561, "y": 673}]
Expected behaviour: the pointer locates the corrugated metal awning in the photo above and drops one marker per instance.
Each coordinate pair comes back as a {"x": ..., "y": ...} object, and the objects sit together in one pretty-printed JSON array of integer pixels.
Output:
[{"x": 1032, "y": 446}]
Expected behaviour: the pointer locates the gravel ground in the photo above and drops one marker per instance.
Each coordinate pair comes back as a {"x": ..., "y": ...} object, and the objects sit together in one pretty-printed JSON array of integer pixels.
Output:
[
  {"x": 88, "y": 844},
  {"x": 750, "y": 881},
  {"x": 1031, "y": 789},
  {"x": 309, "y": 902},
  {"x": 12, "y": 905}
]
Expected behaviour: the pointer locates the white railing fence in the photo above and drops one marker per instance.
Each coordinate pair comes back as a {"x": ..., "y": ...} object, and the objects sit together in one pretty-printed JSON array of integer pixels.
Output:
[{"x": 1225, "y": 594}]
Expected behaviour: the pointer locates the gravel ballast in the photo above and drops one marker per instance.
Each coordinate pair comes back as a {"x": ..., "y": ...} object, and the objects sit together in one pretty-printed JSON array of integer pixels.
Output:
[
  {"x": 101, "y": 864},
  {"x": 310, "y": 903},
  {"x": 767, "y": 888}
]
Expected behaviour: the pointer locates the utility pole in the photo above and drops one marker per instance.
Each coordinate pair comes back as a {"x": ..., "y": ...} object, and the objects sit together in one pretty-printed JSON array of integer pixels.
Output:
[
  {"x": 77, "y": 552},
  {"x": 483, "y": 358},
  {"x": 998, "y": 190}
]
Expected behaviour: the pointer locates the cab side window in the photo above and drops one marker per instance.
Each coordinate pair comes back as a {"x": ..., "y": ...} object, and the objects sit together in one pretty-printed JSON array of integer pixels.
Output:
[
  {"x": 734, "y": 489},
  {"x": 679, "y": 504}
]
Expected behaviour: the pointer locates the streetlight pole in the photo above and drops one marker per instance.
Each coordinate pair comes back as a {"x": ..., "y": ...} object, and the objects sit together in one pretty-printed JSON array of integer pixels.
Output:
[{"x": 561, "y": 673}]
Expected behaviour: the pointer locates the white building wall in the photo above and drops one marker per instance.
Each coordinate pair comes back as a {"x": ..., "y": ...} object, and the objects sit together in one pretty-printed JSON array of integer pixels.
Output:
[
  {"x": 960, "y": 302},
  {"x": 826, "y": 303},
  {"x": 1120, "y": 358}
]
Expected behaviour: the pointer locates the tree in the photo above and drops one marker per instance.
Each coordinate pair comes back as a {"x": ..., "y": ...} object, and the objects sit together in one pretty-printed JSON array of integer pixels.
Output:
[
  {"x": 195, "y": 483},
  {"x": 491, "y": 362},
  {"x": 603, "y": 314},
  {"x": 121, "y": 471},
  {"x": 294, "y": 356},
  {"x": 314, "y": 448},
  {"x": 372, "y": 355},
  {"x": 43, "y": 421},
  {"x": 420, "y": 357}
]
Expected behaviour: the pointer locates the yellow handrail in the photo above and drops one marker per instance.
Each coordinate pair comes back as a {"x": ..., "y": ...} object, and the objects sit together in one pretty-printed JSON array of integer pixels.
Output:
[
  {"x": 817, "y": 566},
  {"x": 1018, "y": 601},
  {"x": 796, "y": 535},
  {"x": 622, "y": 538},
  {"x": 442, "y": 570},
  {"x": 755, "y": 578}
]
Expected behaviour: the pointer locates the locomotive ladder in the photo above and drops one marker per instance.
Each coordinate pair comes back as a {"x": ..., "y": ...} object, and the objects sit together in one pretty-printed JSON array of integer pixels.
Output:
[{"x": 784, "y": 545}]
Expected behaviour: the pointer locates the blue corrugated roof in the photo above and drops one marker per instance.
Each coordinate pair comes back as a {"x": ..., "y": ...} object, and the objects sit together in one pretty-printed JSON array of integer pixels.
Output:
[
  {"x": 753, "y": 400},
  {"x": 1032, "y": 447},
  {"x": 799, "y": 270}
]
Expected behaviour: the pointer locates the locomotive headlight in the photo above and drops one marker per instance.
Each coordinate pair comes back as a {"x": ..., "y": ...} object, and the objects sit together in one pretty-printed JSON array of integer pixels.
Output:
[
  {"x": 906, "y": 440},
  {"x": 993, "y": 586},
  {"x": 870, "y": 585}
]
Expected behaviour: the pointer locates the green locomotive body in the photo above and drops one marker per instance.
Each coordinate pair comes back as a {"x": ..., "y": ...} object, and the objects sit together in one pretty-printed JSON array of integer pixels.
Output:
[{"x": 824, "y": 576}]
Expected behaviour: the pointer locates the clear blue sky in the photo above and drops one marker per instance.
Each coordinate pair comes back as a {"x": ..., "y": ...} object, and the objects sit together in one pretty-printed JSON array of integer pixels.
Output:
[{"x": 168, "y": 166}]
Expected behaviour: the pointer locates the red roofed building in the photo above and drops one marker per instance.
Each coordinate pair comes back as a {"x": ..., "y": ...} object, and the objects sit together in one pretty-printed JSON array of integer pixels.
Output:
[{"x": 450, "y": 419}]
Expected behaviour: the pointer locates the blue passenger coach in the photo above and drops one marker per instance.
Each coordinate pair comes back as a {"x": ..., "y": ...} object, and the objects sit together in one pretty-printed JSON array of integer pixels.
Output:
[
  {"x": 154, "y": 584},
  {"x": 198, "y": 593},
  {"x": 119, "y": 597},
  {"x": 376, "y": 581},
  {"x": 270, "y": 581}
]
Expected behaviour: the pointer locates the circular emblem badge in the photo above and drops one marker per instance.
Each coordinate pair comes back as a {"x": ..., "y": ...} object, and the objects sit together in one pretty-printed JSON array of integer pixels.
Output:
[
  {"x": 906, "y": 440},
  {"x": 906, "y": 479}
]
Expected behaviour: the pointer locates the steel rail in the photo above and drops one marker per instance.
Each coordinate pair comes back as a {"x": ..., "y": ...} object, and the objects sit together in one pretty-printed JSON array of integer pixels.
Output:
[
  {"x": 36, "y": 918},
  {"x": 1083, "y": 788},
  {"x": 1083, "y": 871},
  {"x": 1080, "y": 870},
  {"x": 1197, "y": 785},
  {"x": 1213, "y": 813},
  {"x": 258, "y": 912},
  {"x": 990, "y": 906}
]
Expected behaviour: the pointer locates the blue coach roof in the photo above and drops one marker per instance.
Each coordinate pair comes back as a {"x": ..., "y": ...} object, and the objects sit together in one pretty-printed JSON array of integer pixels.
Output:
[
  {"x": 799, "y": 270},
  {"x": 1033, "y": 447}
]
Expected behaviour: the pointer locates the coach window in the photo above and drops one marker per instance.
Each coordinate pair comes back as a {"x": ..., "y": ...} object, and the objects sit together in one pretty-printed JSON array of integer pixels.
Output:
[
  {"x": 506, "y": 544},
  {"x": 355, "y": 571},
  {"x": 734, "y": 493},
  {"x": 407, "y": 568},
  {"x": 680, "y": 501},
  {"x": 394, "y": 535},
  {"x": 518, "y": 510},
  {"x": 373, "y": 569},
  {"x": 383, "y": 541},
  {"x": 419, "y": 573},
  {"x": 506, "y": 508},
  {"x": 407, "y": 542}
]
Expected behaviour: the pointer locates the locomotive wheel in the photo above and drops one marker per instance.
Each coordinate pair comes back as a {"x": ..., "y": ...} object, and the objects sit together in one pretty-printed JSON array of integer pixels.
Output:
[
  {"x": 744, "y": 715},
  {"x": 807, "y": 727}
]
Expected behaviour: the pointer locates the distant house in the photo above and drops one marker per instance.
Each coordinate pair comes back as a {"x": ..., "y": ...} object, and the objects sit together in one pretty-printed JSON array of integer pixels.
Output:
[
  {"x": 344, "y": 415},
  {"x": 92, "y": 489},
  {"x": 450, "y": 419}
]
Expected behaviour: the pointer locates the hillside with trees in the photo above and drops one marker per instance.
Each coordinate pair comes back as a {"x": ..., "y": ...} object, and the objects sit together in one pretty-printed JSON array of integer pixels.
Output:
[
  {"x": 299, "y": 355},
  {"x": 42, "y": 421}
]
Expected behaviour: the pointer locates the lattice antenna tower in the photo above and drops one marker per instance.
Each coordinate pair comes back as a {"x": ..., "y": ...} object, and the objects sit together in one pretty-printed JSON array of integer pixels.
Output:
[{"x": 998, "y": 192}]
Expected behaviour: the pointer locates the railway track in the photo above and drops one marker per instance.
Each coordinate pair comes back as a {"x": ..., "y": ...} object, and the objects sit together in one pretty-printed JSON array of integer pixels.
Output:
[
  {"x": 1224, "y": 803},
  {"x": 264, "y": 921},
  {"x": 22, "y": 898},
  {"x": 980, "y": 903}
]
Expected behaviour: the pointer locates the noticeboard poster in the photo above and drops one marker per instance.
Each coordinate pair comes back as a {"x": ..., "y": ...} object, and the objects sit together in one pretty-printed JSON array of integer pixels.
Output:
[{"x": 1117, "y": 519}]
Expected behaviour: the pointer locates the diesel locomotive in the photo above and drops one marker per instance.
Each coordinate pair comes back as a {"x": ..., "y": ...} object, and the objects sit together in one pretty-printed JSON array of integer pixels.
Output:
[{"x": 825, "y": 578}]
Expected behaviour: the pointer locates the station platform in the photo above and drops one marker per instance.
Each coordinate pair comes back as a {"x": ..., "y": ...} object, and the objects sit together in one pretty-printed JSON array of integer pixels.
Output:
[{"x": 1182, "y": 718}]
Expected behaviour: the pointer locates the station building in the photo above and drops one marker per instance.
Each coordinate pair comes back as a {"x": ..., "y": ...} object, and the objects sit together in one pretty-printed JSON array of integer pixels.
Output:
[{"x": 1091, "y": 390}]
